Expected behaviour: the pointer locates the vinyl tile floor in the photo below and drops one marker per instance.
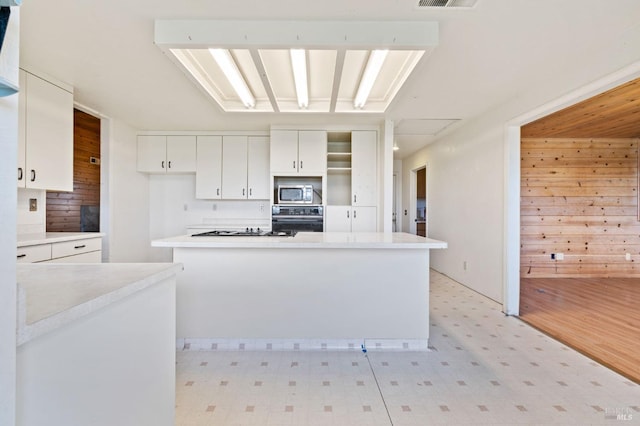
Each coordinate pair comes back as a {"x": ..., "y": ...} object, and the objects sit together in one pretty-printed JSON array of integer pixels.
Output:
[{"x": 484, "y": 368}]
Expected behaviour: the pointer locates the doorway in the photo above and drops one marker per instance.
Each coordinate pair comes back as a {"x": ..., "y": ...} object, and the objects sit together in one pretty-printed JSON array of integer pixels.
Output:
[{"x": 421, "y": 202}]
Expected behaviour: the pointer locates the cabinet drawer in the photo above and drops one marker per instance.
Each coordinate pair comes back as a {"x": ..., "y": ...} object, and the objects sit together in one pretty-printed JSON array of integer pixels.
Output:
[
  {"x": 91, "y": 257},
  {"x": 31, "y": 254},
  {"x": 70, "y": 248}
]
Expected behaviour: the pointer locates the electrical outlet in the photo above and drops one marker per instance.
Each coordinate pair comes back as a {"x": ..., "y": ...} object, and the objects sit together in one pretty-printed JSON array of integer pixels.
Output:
[
  {"x": 33, "y": 204},
  {"x": 215, "y": 207},
  {"x": 464, "y": 265},
  {"x": 559, "y": 256},
  {"x": 627, "y": 256}
]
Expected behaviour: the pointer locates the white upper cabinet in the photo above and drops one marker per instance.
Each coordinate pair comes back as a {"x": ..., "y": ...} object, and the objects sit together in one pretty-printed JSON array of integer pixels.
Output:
[
  {"x": 284, "y": 151},
  {"x": 258, "y": 168},
  {"x": 363, "y": 168},
  {"x": 45, "y": 151},
  {"x": 181, "y": 154},
  {"x": 296, "y": 152},
  {"x": 166, "y": 154},
  {"x": 209, "y": 167},
  {"x": 312, "y": 152},
  {"x": 234, "y": 167}
]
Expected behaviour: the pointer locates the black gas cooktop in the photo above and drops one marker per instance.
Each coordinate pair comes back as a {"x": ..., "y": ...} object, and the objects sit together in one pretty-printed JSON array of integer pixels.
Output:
[{"x": 249, "y": 232}]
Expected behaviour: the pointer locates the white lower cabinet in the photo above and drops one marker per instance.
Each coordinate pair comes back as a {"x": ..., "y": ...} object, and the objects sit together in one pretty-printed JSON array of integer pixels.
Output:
[
  {"x": 88, "y": 250},
  {"x": 350, "y": 219}
]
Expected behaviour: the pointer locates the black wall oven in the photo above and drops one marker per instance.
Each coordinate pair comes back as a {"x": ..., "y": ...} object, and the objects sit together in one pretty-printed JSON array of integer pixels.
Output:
[{"x": 297, "y": 218}]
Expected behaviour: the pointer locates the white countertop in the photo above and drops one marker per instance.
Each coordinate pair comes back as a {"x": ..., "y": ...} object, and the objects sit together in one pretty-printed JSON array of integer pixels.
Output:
[
  {"x": 340, "y": 240},
  {"x": 25, "y": 240},
  {"x": 52, "y": 295}
]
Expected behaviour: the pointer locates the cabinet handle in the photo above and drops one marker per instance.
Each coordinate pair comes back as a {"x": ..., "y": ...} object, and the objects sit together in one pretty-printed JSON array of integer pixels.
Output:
[
  {"x": 163, "y": 164},
  {"x": 243, "y": 192},
  {"x": 169, "y": 164},
  {"x": 21, "y": 256},
  {"x": 20, "y": 173},
  {"x": 301, "y": 164},
  {"x": 294, "y": 164},
  {"x": 354, "y": 214},
  {"x": 80, "y": 246},
  {"x": 250, "y": 192},
  {"x": 355, "y": 198},
  {"x": 33, "y": 175},
  {"x": 217, "y": 191},
  {"x": 347, "y": 214}
]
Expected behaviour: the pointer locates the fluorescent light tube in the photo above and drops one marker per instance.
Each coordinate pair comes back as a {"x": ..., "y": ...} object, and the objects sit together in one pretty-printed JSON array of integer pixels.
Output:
[
  {"x": 299, "y": 66},
  {"x": 231, "y": 71},
  {"x": 371, "y": 71}
]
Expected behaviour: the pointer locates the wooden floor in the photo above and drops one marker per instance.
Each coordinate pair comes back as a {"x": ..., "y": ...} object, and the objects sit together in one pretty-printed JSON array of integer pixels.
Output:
[{"x": 599, "y": 317}]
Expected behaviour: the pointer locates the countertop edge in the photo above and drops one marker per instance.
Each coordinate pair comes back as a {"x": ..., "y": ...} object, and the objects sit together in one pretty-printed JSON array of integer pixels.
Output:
[
  {"x": 37, "y": 239},
  {"x": 27, "y": 332},
  {"x": 376, "y": 240}
]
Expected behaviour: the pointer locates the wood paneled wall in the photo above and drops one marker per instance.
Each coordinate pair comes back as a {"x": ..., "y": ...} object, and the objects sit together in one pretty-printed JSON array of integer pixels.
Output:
[
  {"x": 63, "y": 208},
  {"x": 579, "y": 197}
]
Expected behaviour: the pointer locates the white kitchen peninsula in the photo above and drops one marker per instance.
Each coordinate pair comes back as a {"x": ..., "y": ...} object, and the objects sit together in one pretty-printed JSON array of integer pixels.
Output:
[
  {"x": 336, "y": 289},
  {"x": 96, "y": 344}
]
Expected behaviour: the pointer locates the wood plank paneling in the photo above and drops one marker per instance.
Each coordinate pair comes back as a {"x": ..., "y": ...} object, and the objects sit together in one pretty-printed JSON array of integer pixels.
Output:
[
  {"x": 579, "y": 198},
  {"x": 63, "y": 208},
  {"x": 598, "y": 317},
  {"x": 612, "y": 114}
]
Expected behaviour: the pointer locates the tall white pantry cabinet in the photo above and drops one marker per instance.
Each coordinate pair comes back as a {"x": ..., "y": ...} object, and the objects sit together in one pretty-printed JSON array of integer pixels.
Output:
[
  {"x": 355, "y": 210},
  {"x": 45, "y": 135}
]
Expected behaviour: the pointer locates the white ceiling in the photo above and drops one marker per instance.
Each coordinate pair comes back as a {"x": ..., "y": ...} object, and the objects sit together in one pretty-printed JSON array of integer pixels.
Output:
[{"x": 487, "y": 55}]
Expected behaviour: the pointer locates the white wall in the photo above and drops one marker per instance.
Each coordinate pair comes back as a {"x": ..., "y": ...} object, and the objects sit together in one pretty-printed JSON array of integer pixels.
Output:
[
  {"x": 464, "y": 193},
  {"x": 128, "y": 199},
  {"x": 466, "y": 173},
  {"x": 8, "y": 197},
  {"x": 173, "y": 207}
]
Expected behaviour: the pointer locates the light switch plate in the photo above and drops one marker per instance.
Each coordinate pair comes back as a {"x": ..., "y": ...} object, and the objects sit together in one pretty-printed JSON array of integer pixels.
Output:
[{"x": 33, "y": 204}]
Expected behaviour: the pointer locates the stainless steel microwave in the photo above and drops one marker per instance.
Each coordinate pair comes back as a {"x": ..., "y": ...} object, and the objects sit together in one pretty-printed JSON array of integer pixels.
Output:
[{"x": 295, "y": 194}]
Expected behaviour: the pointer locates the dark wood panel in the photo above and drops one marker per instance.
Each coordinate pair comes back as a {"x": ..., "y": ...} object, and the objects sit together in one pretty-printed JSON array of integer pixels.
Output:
[
  {"x": 598, "y": 317},
  {"x": 63, "y": 208}
]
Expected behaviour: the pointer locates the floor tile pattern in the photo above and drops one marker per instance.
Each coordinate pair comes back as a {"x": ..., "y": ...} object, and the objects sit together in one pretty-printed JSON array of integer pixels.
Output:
[{"x": 483, "y": 368}]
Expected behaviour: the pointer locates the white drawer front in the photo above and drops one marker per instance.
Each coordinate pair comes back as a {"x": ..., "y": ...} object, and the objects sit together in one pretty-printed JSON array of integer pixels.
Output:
[
  {"x": 70, "y": 248},
  {"x": 91, "y": 257},
  {"x": 32, "y": 254}
]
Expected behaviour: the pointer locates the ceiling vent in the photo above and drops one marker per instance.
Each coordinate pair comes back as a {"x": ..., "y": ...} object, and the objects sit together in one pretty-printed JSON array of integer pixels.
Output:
[{"x": 447, "y": 3}]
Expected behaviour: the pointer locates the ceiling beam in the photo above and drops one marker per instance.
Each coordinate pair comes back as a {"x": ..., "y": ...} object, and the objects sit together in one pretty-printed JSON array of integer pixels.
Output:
[
  {"x": 337, "y": 75},
  {"x": 255, "y": 55}
]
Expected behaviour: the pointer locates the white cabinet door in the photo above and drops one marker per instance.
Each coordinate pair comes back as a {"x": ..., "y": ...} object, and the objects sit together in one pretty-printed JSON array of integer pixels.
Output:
[
  {"x": 284, "y": 151},
  {"x": 363, "y": 168},
  {"x": 363, "y": 219},
  {"x": 152, "y": 154},
  {"x": 209, "y": 167},
  {"x": 181, "y": 154},
  {"x": 312, "y": 152},
  {"x": 49, "y": 135},
  {"x": 234, "y": 167},
  {"x": 258, "y": 168},
  {"x": 337, "y": 219},
  {"x": 22, "y": 137}
]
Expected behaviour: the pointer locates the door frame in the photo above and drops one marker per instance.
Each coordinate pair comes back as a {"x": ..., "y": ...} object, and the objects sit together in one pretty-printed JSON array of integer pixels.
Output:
[
  {"x": 413, "y": 195},
  {"x": 511, "y": 246}
]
